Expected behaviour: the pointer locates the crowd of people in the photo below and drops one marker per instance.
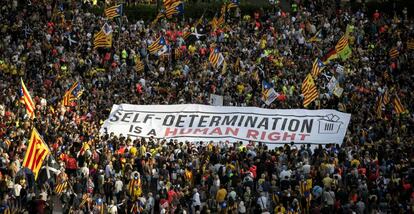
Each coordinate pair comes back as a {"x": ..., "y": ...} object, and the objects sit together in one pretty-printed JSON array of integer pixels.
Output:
[{"x": 49, "y": 44}]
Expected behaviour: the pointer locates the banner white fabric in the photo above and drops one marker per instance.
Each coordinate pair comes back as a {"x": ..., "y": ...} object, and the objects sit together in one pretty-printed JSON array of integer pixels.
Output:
[{"x": 219, "y": 123}]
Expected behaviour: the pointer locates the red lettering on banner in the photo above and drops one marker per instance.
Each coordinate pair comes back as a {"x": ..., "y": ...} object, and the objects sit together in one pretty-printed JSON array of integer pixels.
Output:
[
  {"x": 252, "y": 134},
  {"x": 302, "y": 136},
  {"x": 234, "y": 132},
  {"x": 274, "y": 136},
  {"x": 286, "y": 135},
  {"x": 204, "y": 131},
  {"x": 185, "y": 131},
  {"x": 216, "y": 131},
  {"x": 168, "y": 132}
]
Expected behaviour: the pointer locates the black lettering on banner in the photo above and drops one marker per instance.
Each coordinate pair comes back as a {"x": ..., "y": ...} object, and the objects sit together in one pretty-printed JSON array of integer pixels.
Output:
[
  {"x": 215, "y": 121},
  {"x": 171, "y": 119},
  {"x": 202, "y": 120},
  {"x": 136, "y": 118},
  {"x": 115, "y": 116},
  {"x": 135, "y": 129},
  {"x": 250, "y": 121},
  {"x": 293, "y": 125},
  {"x": 264, "y": 123},
  {"x": 192, "y": 116},
  {"x": 241, "y": 120},
  {"x": 307, "y": 124},
  {"x": 179, "y": 120},
  {"x": 229, "y": 122},
  {"x": 126, "y": 116},
  {"x": 275, "y": 120},
  {"x": 152, "y": 132},
  {"x": 147, "y": 117},
  {"x": 283, "y": 124}
]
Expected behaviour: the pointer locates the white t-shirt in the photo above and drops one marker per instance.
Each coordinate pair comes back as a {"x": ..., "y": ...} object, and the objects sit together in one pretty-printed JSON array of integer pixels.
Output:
[
  {"x": 118, "y": 186},
  {"x": 17, "y": 188},
  {"x": 112, "y": 209}
]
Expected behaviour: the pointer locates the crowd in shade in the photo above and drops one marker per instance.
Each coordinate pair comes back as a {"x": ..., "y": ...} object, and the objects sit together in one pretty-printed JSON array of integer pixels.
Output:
[{"x": 51, "y": 47}]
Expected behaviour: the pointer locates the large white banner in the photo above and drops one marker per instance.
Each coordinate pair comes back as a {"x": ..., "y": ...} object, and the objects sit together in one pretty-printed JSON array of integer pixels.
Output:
[{"x": 220, "y": 123}]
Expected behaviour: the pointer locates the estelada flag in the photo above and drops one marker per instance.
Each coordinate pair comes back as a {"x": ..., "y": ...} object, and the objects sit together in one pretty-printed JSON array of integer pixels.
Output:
[
  {"x": 398, "y": 107},
  {"x": 36, "y": 153}
]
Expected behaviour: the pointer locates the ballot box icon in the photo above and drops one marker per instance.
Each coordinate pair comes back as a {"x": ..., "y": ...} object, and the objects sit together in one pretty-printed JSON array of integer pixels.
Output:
[{"x": 329, "y": 124}]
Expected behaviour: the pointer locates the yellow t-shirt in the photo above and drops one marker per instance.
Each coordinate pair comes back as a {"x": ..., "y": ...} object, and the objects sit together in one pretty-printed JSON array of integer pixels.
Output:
[
  {"x": 240, "y": 88},
  {"x": 191, "y": 49},
  {"x": 221, "y": 195},
  {"x": 133, "y": 151},
  {"x": 280, "y": 209},
  {"x": 355, "y": 162}
]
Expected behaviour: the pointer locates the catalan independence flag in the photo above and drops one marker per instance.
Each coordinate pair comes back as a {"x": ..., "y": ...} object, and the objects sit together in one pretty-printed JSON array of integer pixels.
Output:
[
  {"x": 134, "y": 187},
  {"x": 316, "y": 37},
  {"x": 176, "y": 8},
  {"x": 309, "y": 90},
  {"x": 36, "y": 152},
  {"x": 317, "y": 67},
  {"x": 216, "y": 58},
  {"x": 114, "y": 11},
  {"x": 60, "y": 188},
  {"x": 168, "y": 3},
  {"x": 73, "y": 93},
  {"x": 233, "y": 4},
  {"x": 27, "y": 99},
  {"x": 398, "y": 107},
  {"x": 103, "y": 39},
  {"x": 157, "y": 45},
  {"x": 160, "y": 15}
]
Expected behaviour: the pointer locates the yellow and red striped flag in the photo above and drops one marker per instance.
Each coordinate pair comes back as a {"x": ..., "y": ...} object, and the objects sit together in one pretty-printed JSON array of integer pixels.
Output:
[
  {"x": 73, "y": 93},
  {"x": 378, "y": 107},
  {"x": 7, "y": 142},
  {"x": 114, "y": 11},
  {"x": 134, "y": 187},
  {"x": 61, "y": 187},
  {"x": 28, "y": 101},
  {"x": 342, "y": 43},
  {"x": 386, "y": 98},
  {"x": 157, "y": 45},
  {"x": 309, "y": 90},
  {"x": 168, "y": 3},
  {"x": 410, "y": 45},
  {"x": 216, "y": 58},
  {"x": 175, "y": 8},
  {"x": 394, "y": 53},
  {"x": 398, "y": 107},
  {"x": 139, "y": 65},
  {"x": 36, "y": 152},
  {"x": 233, "y": 4},
  {"x": 317, "y": 67}
]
